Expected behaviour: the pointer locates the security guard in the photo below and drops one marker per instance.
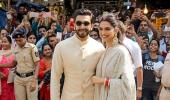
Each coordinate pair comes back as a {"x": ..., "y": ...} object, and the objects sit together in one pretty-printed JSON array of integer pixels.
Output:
[{"x": 26, "y": 58}]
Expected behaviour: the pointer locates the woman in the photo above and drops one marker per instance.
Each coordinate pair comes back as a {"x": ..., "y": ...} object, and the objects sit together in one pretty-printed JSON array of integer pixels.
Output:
[
  {"x": 45, "y": 66},
  {"x": 150, "y": 82},
  {"x": 7, "y": 89},
  {"x": 31, "y": 38},
  {"x": 114, "y": 78},
  {"x": 3, "y": 33},
  {"x": 95, "y": 34}
]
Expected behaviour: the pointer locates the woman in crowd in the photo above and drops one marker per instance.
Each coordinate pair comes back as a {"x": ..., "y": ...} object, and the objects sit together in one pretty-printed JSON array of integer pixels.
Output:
[
  {"x": 7, "y": 88},
  {"x": 31, "y": 38},
  {"x": 150, "y": 82},
  {"x": 114, "y": 78},
  {"x": 95, "y": 34},
  {"x": 3, "y": 33},
  {"x": 45, "y": 66}
]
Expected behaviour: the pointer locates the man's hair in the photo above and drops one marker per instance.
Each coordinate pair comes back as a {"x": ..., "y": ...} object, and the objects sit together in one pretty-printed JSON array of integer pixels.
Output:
[
  {"x": 42, "y": 27},
  {"x": 24, "y": 5},
  {"x": 83, "y": 12},
  {"x": 52, "y": 35}
]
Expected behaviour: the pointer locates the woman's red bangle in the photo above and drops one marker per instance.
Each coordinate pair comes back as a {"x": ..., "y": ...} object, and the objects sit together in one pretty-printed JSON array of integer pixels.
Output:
[{"x": 107, "y": 81}]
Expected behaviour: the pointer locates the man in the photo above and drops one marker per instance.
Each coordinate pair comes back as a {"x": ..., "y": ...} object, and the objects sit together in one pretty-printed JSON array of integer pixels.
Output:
[
  {"x": 68, "y": 29},
  {"x": 53, "y": 40},
  {"x": 77, "y": 57},
  {"x": 26, "y": 61},
  {"x": 136, "y": 55},
  {"x": 42, "y": 32},
  {"x": 146, "y": 28},
  {"x": 23, "y": 9},
  {"x": 165, "y": 37},
  {"x": 42, "y": 37},
  {"x": 165, "y": 91}
]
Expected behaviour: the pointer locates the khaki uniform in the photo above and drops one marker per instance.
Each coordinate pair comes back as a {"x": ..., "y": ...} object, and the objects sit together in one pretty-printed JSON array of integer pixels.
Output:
[
  {"x": 165, "y": 92},
  {"x": 25, "y": 57}
]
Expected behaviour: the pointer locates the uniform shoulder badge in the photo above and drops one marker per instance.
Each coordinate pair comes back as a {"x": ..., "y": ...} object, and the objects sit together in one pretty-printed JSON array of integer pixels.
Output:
[{"x": 36, "y": 54}]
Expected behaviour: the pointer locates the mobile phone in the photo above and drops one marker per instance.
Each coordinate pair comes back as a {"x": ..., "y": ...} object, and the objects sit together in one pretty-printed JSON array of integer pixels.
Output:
[
  {"x": 46, "y": 14},
  {"x": 9, "y": 16},
  {"x": 160, "y": 14},
  {"x": 33, "y": 14}
]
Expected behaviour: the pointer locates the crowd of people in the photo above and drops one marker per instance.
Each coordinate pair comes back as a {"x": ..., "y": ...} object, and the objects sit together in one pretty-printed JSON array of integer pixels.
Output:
[{"x": 89, "y": 58}]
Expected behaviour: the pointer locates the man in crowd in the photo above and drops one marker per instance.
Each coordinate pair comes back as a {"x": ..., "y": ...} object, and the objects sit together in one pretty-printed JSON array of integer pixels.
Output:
[
  {"x": 136, "y": 55},
  {"x": 53, "y": 40}
]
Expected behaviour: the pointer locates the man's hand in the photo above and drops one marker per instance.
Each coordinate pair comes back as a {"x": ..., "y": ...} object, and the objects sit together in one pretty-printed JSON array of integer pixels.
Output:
[
  {"x": 33, "y": 85},
  {"x": 144, "y": 17}
]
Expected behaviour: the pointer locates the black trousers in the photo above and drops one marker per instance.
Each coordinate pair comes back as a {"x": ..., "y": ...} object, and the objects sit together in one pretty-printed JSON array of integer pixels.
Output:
[{"x": 149, "y": 94}]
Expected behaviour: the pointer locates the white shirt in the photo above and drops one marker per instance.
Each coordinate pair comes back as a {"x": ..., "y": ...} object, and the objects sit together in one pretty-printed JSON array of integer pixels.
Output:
[
  {"x": 78, "y": 61},
  {"x": 166, "y": 28},
  {"x": 135, "y": 52}
]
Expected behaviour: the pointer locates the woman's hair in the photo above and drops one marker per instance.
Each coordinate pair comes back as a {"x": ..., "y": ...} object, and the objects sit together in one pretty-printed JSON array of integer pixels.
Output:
[
  {"x": 31, "y": 33},
  {"x": 4, "y": 29},
  {"x": 9, "y": 39},
  {"x": 45, "y": 45},
  {"x": 110, "y": 18},
  {"x": 96, "y": 30},
  {"x": 154, "y": 40}
]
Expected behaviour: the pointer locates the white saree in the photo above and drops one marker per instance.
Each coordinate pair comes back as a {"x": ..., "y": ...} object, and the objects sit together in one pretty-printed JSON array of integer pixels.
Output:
[{"x": 116, "y": 64}]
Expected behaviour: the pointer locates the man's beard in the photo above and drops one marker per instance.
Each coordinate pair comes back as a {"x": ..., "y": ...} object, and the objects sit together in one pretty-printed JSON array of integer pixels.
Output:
[{"x": 82, "y": 33}]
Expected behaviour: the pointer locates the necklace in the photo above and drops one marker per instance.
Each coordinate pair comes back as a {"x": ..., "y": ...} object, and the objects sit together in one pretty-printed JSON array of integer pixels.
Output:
[{"x": 6, "y": 52}]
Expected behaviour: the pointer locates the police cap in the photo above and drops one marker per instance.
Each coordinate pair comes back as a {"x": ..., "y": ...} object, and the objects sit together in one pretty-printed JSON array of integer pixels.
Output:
[{"x": 20, "y": 32}]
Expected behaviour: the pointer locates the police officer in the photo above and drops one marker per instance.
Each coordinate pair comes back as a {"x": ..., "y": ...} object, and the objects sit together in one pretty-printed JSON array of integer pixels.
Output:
[{"x": 26, "y": 58}]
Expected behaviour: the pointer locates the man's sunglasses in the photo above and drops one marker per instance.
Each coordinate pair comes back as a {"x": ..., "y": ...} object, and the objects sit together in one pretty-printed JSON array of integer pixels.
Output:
[{"x": 79, "y": 23}]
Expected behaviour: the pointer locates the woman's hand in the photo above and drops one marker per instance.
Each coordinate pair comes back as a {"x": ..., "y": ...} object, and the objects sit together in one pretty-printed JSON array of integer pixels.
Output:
[
  {"x": 2, "y": 75},
  {"x": 97, "y": 80},
  {"x": 138, "y": 94},
  {"x": 40, "y": 85}
]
